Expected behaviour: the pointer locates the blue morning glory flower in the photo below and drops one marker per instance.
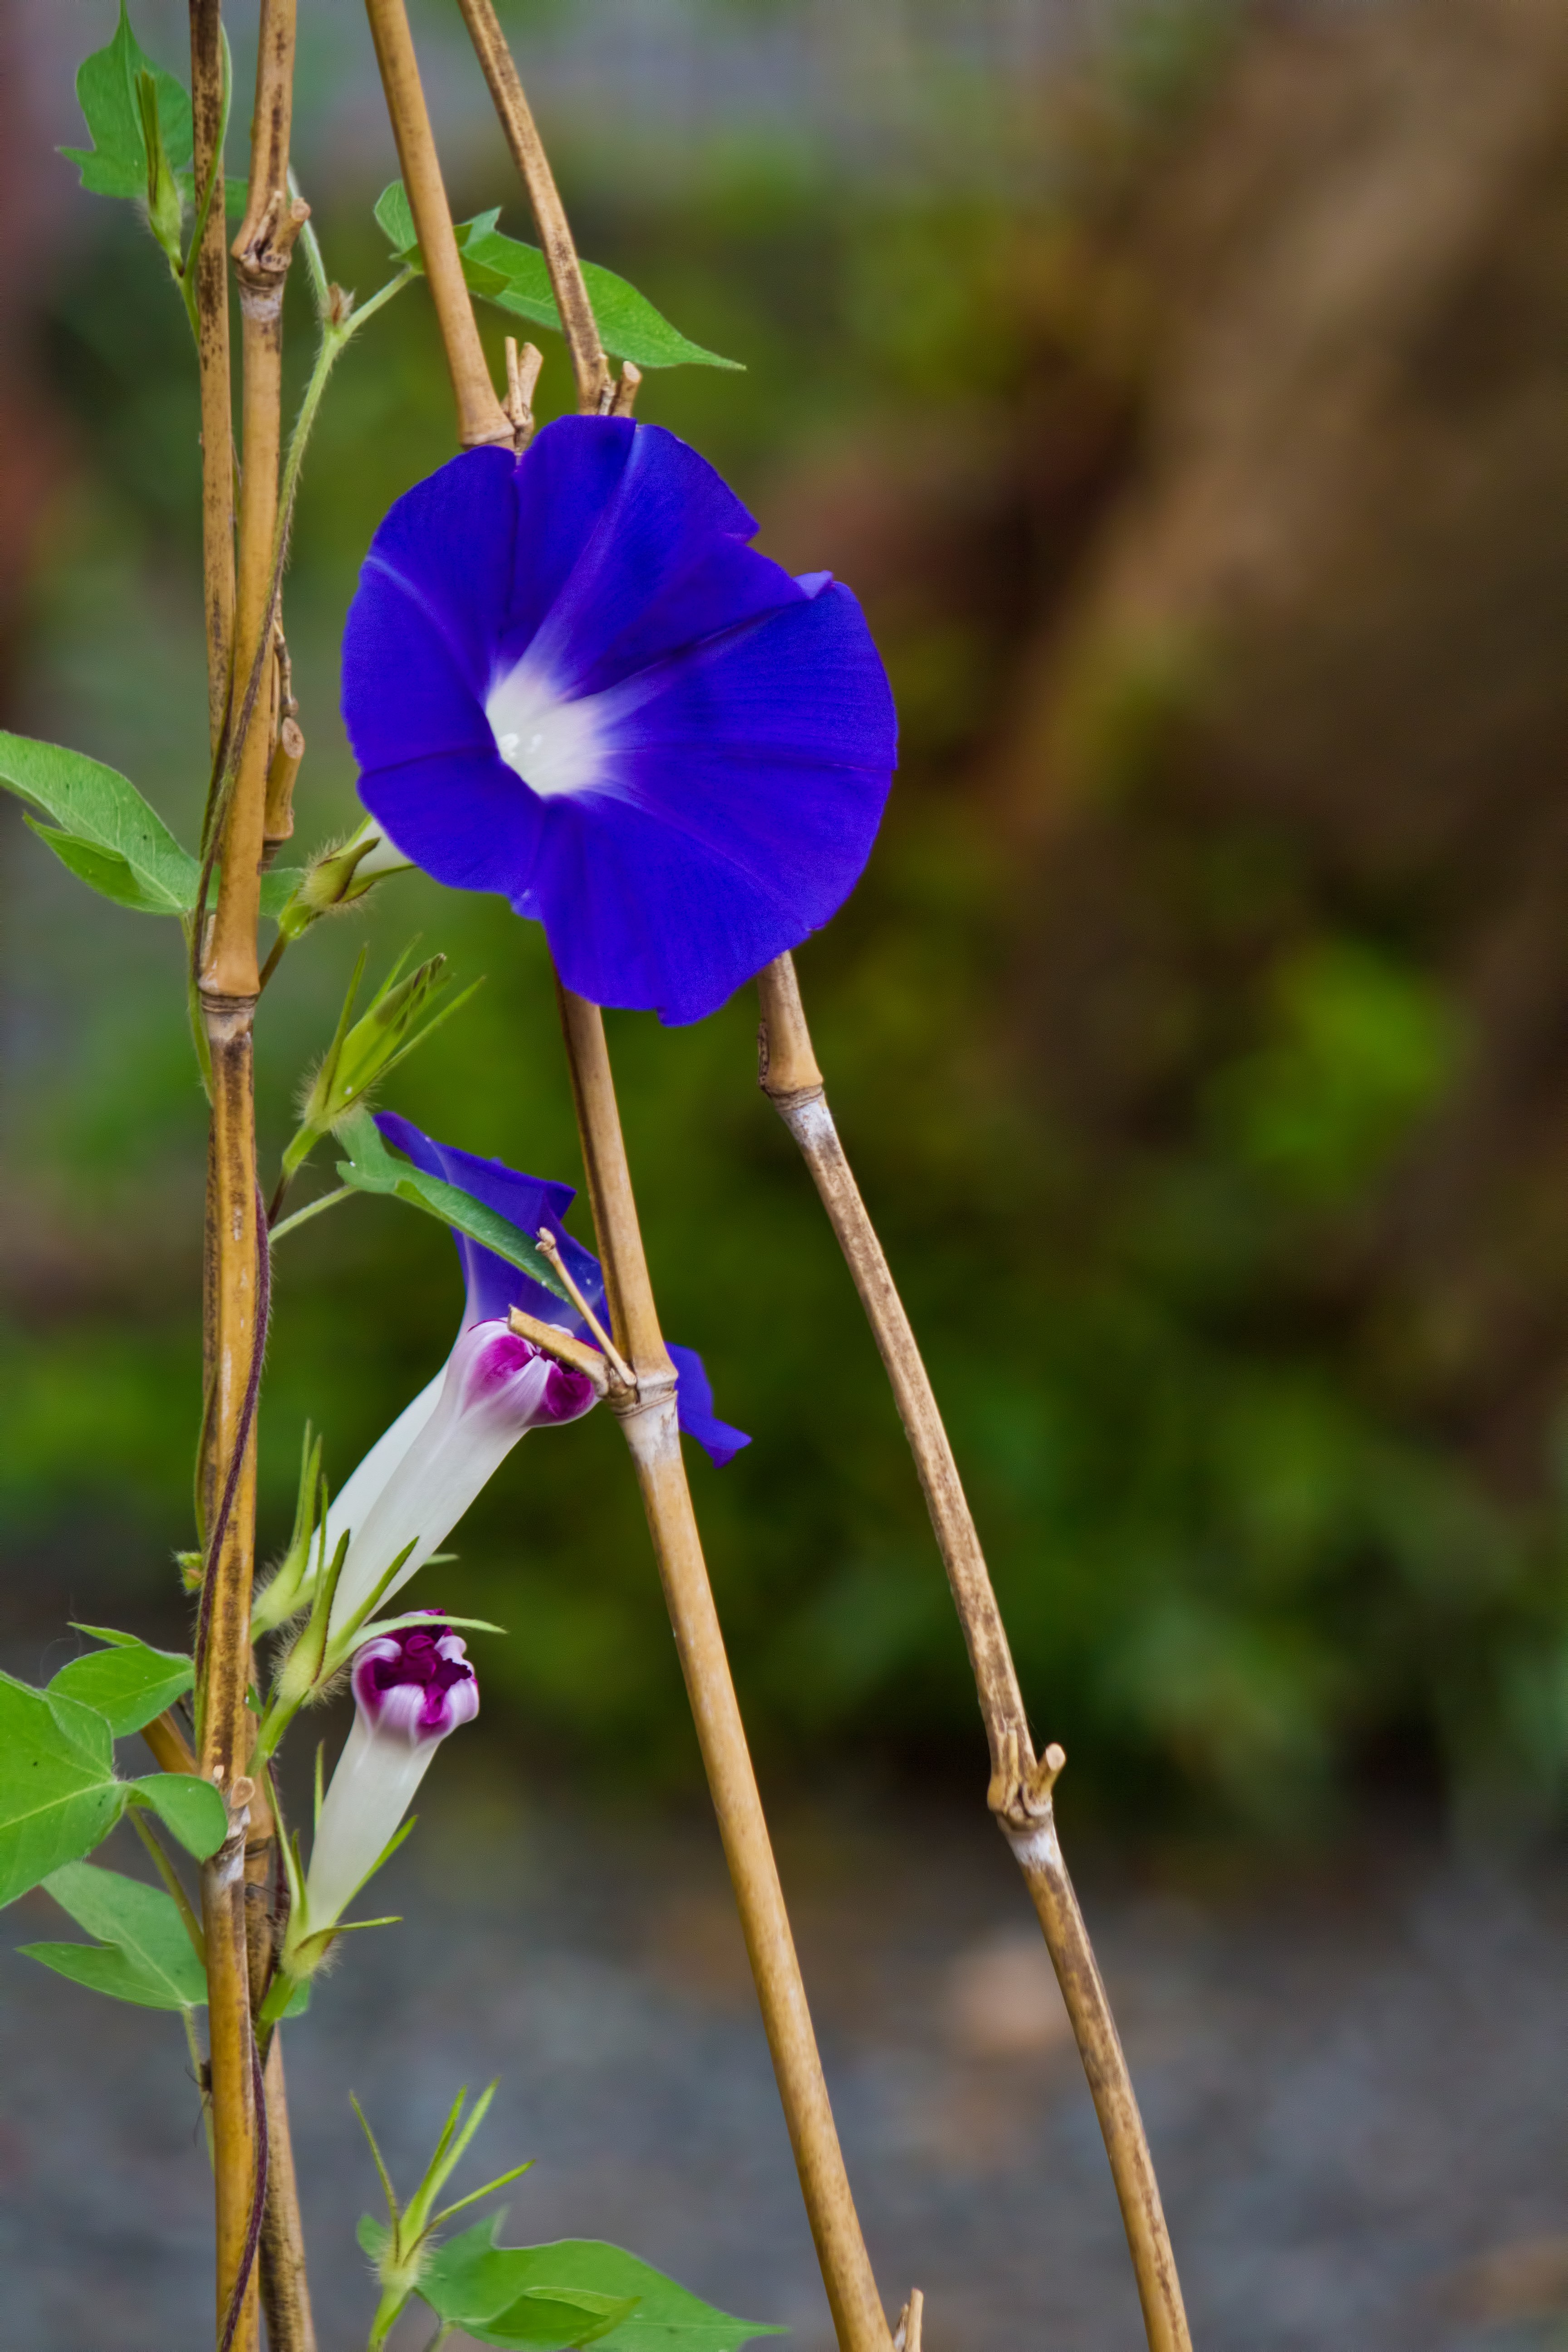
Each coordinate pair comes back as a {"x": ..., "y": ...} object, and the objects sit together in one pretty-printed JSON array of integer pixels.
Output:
[{"x": 568, "y": 679}]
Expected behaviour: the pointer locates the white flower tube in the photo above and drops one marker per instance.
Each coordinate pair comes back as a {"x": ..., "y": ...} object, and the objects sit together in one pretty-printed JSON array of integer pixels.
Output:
[
  {"x": 411, "y": 1689},
  {"x": 419, "y": 1479}
]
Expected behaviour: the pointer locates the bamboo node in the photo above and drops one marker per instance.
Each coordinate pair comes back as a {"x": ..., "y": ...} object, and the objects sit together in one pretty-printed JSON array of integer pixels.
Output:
[
  {"x": 1020, "y": 1794},
  {"x": 262, "y": 252}
]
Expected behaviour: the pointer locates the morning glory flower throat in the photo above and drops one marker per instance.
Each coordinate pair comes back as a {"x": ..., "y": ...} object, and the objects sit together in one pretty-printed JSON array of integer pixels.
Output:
[
  {"x": 420, "y": 1477},
  {"x": 568, "y": 679}
]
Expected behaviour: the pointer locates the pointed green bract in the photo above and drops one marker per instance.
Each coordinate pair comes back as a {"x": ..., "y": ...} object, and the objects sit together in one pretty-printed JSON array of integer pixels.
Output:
[
  {"x": 116, "y": 163},
  {"x": 577, "y": 2290},
  {"x": 128, "y": 1683},
  {"x": 372, "y": 1168},
  {"x": 515, "y": 277},
  {"x": 143, "y": 1954},
  {"x": 108, "y": 836},
  {"x": 58, "y": 1795},
  {"x": 191, "y": 1810}
]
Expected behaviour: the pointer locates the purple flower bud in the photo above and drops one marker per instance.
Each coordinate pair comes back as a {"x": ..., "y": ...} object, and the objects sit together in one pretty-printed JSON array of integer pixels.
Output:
[
  {"x": 411, "y": 1688},
  {"x": 419, "y": 1480},
  {"x": 415, "y": 1685}
]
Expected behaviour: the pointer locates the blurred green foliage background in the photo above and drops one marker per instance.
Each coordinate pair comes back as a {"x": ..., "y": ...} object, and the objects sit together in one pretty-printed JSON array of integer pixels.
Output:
[{"x": 1252, "y": 1567}]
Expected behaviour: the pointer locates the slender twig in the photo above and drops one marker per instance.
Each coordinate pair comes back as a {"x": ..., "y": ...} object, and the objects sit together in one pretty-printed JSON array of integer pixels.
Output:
[
  {"x": 589, "y": 365},
  {"x": 167, "y": 1872},
  {"x": 171, "y": 1750},
  {"x": 481, "y": 417},
  {"x": 548, "y": 1249},
  {"x": 647, "y": 1416},
  {"x": 313, "y": 1208},
  {"x": 1020, "y": 1794}
]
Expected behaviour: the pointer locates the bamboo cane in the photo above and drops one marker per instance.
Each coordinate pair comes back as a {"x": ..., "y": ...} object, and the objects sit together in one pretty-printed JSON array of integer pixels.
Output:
[
  {"x": 235, "y": 1281},
  {"x": 211, "y": 266},
  {"x": 1021, "y": 1790},
  {"x": 481, "y": 417},
  {"x": 649, "y": 1416}
]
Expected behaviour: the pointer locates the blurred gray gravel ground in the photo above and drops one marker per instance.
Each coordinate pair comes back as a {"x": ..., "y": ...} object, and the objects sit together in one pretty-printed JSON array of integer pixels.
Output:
[{"x": 1356, "y": 2083}]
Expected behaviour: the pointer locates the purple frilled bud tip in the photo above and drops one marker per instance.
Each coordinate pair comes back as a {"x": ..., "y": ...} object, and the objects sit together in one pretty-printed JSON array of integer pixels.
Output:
[
  {"x": 568, "y": 679},
  {"x": 529, "y": 1202},
  {"x": 412, "y": 1688},
  {"x": 417, "y": 1685},
  {"x": 419, "y": 1479}
]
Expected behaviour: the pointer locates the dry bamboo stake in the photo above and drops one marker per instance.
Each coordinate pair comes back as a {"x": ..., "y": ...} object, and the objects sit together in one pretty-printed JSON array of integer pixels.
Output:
[
  {"x": 589, "y": 364},
  {"x": 647, "y": 1415},
  {"x": 211, "y": 266},
  {"x": 481, "y": 417},
  {"x": 236, "y": 1286},
  {"x": 1020, "y": 1793},
  {"x": 285, "y": 2294}
]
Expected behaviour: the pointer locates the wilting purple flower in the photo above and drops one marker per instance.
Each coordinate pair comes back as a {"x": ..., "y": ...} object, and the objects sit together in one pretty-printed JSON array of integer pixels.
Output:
[
  {"x": 411, "y": 1688},
  {"x": 568, "y": 679},
  {"x": 422, "y": 1474},
  {"x": 495, "y": 1288}
]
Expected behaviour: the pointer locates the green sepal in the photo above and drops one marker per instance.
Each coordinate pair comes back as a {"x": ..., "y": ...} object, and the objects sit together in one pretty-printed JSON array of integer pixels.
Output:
[
  {"x": 128, "y": 1683},
  {"x": 516, "y": 278},
  {"x": 144, "y": 1955},
  {"x": 372, "y": 1167},
  {"x": 117, "y": 164}
]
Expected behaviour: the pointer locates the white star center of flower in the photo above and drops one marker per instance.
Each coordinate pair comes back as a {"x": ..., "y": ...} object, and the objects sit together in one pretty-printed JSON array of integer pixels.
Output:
[{"x": 554, "y": 744}]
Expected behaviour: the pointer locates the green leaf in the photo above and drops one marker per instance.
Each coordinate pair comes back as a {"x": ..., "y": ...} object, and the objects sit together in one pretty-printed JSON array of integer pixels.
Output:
[
  {"x": 515, "y": 277},
  {"x": 116, "y": 164},
  {"x": 109, "y": 834},
  {"x": 143, "y": 1954},
  {"x": 577, "y": 2290},
  {"x": 190, "y": 1808},
  {"x": 128, "y": 1683},
  {"x": 279, "y": 885},
  {"x": 58, "y": 1795},
  {"x": 109, "y": 837},
  {"x": 374, "y": 1168}
]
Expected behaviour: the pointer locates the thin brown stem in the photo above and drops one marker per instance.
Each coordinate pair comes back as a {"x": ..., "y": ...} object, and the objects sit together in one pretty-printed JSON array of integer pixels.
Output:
[
  {"x": 589, "y": 365},
  {"x": 481, "y": 417},
  {"x": 647, "y": 1416},
  {"x": 1020, "y": 1794},
  {"x": 210, "y": 263}
]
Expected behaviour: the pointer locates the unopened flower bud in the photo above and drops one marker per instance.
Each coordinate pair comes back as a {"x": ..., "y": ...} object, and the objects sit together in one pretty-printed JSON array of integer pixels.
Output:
[
  {"x": 411, "y": 1689},
  {"x": 338, "y": 877}
]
